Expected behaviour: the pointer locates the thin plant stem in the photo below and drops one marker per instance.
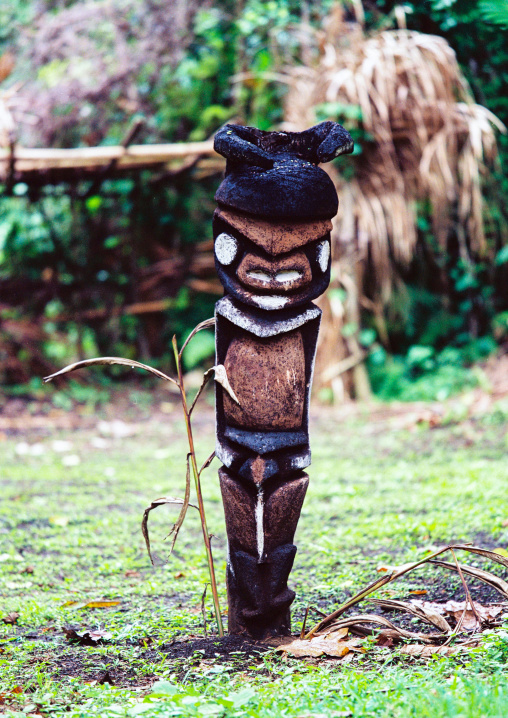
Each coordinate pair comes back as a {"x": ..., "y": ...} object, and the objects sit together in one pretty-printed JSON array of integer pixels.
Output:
[
  {"x": 191, "y": 456},
  {"x": 197, "y": 482},
  {"x": 302, "y": 632}
]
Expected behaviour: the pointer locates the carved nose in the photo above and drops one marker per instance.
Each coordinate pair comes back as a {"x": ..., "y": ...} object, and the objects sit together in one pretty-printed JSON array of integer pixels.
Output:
[{"x": 281, "y": 275}]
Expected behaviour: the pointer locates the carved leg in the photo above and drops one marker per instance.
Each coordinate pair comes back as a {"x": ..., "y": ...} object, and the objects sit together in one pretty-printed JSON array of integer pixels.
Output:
[{"x": 261, "y": 522}]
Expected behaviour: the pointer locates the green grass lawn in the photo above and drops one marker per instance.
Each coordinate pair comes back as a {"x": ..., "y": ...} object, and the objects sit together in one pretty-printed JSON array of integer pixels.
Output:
[{"x": 384, "y": 489}]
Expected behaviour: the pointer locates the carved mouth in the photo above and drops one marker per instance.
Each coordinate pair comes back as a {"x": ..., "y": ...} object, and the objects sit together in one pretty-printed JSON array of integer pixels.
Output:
[
  {"x": 288, "y": 275},
  {"x": 278, "y": 275}
]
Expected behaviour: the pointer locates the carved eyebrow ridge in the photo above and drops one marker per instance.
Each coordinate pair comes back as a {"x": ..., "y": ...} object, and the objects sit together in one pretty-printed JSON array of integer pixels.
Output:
[{"x": 226, "y": 228}]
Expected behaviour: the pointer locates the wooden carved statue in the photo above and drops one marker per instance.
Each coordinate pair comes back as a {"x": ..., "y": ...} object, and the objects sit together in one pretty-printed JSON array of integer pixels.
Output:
[{"x": 272, "y": 253}]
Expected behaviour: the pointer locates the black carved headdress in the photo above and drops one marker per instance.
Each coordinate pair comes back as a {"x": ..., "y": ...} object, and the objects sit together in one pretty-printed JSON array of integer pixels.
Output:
[{"x": 275, "y": 174}]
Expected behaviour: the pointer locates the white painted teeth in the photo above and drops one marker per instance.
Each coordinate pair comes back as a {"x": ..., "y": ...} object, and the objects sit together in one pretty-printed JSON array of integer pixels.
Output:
[
  {"x": 282, "y": 277},
  {"x": 288, "y": 275},
  {"x": 259, "y": 275},
  {"x": 226, "y": 248}
]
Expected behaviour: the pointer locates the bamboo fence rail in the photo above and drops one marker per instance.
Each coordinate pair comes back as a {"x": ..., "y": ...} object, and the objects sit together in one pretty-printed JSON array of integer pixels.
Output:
[{"x": 21, "y": 164}]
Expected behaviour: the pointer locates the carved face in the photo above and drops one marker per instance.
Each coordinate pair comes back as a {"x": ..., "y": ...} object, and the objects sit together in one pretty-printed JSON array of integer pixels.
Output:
[{"x": 271, "y": 265}]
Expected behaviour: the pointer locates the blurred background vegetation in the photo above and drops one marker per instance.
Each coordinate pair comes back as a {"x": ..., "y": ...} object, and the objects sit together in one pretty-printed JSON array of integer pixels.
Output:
[{"x": 419, "y": 289}]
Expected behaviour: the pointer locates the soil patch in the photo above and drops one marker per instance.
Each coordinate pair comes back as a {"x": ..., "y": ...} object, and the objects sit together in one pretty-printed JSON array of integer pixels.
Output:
[
  {"x": 227, "y": 648},
  {"x": 182, "y": 654}
]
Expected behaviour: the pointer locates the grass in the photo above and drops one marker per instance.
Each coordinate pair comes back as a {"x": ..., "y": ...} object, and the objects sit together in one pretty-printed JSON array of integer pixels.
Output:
[{"x": 384, "y": 489}]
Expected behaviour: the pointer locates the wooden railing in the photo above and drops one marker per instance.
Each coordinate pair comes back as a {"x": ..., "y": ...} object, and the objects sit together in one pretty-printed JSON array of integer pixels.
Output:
[{"x": 21, "y": 164}]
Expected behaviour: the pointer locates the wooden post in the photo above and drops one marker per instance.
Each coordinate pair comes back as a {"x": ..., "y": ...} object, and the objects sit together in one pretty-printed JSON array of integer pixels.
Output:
[{"x": 272, "y": 254}]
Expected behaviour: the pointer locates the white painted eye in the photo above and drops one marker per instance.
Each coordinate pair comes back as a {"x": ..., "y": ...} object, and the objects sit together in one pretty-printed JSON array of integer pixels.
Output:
[
  {"x": 323, "y": 255},
  {"x": 226, "y": 248}
]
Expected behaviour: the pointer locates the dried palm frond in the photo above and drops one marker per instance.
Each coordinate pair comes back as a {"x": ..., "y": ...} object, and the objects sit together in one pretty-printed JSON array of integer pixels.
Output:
[{"x": 426, "y": 140}]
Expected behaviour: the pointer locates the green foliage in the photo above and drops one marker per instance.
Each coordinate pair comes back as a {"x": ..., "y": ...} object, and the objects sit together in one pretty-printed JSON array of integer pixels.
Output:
[
  {"x": 494, "y": 650},
  {"x": 426, "y": 375},
  {"x": 87, "y": 254},
  {"x": 14, "y": 14},
  {"x": 190, "y": 701},
  {"x": 502, "y": 256},
  {"x": 192, "y": 101},
  {"x": 495, "y": 11},
  {"x": 200, "y": 348}
]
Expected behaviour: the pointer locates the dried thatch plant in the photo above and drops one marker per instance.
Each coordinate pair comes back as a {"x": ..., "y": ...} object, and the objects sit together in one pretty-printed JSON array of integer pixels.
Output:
[{"x": 425, "y": 141}]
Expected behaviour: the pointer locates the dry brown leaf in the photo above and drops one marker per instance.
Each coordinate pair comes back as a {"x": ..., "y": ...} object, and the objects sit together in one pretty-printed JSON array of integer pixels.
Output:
[
  {"x": 172, "y": 501},
  {"x": 388, "y": 568},
  {"x": 100, "y": 604},
  {"x": 433, "y": 613},
  {"x": 206, "y": 324},
  {"x": 175, "y": 529},
  {"x": 338, "y": 634},
  {"x": 332, "y": 644},
  {"x": 467, "y": 618},
  {"x": 493, "y": 555},
  {"x": 487, "y": 614},
  {"x": 384, "y": 640},
  {"x": 393, "y": 573},
  {"x": 74, "y": 605},
  {"x": 132, "y": 573},
  {"x": 418, "y": 609},
  {"x": 277, "y": 641},
  {"x": 109, "y": 361},
  {"x": 491, "y": 612},
  {"x": 429, "y": 142},
  {"x": 301, "y": 648},
  {"x": 429, "y": 605},
  {"x": 11, "y": 618},
  {"x": 221, "y": 378},
  {"x": 368, "y": 618},
  {"x": 207, "y": 462},
  {"x": 86, "y": 638}
]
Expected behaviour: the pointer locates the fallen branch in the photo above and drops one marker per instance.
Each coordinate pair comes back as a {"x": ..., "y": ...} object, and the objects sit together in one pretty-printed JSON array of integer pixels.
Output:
[{"x": 495, "y": 582}]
